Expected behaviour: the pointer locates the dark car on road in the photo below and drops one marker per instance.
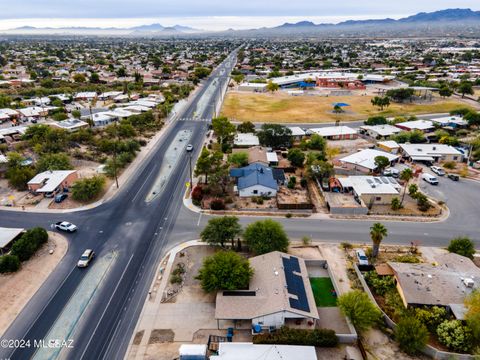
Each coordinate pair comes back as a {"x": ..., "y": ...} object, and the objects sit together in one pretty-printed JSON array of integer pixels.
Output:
[{"x": 453, "y": 177}]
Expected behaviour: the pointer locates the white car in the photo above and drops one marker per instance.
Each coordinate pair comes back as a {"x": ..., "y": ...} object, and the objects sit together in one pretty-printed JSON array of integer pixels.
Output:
[
  {"x": 432, "y": 180},
  {"x": 85, "y": 259},
  {"x": 361, "y": 257},
  {"x": 391, "y": 172},
  {"x": 189, "y": 148},
  {"x": 438, "y": 170},
  {"x": 65, "y": 226}
]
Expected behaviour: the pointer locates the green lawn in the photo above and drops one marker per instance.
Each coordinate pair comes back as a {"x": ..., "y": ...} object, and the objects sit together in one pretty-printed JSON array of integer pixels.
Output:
[{"x": 322, "y": 292}]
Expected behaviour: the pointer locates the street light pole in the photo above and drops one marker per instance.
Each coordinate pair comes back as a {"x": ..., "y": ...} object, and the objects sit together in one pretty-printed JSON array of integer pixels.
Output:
[{"x": 115, "y": 154}]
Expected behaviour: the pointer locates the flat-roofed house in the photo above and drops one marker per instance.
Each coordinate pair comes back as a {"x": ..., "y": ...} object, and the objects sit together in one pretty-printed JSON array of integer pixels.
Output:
[
  {"x": 244, "y": 351},
  {"x": 379, "y": 131},
  {"x": 335, "y": 132},
  {"x": 371, "y": 189},
  {"x": 389, "y": 146},
  {"x": 245, "y": 140},
  {"x": 279, "y": 291},
  {"x": 422, "y": 125},
  {"x": 430, "y": 152},
  {"x": 364, "y": 160},
  {"x": 52, "y": 181}
]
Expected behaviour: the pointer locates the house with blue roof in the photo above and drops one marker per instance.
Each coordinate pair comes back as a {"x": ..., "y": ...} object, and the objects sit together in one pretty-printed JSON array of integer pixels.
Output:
[{"x": 257, "y": 180}]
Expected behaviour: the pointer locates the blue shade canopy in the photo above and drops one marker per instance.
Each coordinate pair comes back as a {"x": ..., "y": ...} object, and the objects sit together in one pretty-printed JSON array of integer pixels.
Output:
[{"x": 341, "y": 104}]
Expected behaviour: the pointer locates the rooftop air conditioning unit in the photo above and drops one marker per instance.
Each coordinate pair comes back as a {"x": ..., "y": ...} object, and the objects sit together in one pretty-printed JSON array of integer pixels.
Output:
[{"x": 469, "y": 283}]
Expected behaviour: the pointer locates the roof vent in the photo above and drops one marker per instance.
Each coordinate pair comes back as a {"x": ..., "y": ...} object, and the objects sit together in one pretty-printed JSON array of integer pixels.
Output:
[{"x": 469, "y": 283}]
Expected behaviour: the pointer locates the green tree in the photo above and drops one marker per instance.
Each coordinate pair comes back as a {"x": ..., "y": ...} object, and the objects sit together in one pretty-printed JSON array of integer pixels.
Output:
[
  {"x": 377, "y": 232},
  {"x": 9, "y": 263},
  {"x": 94, "y": 78},
  {"x": 79, "y": 78},
  {"x": 226, "y": 270},
  {"x": 272, "y": 87},
  {"x": 472, "y": 315},
  {"x": 381, "y": 102},
  {"x": 376, "y": 120},
  {"x": 412, "y": 190},
  {"x": 296, "y": 157},
  {"x": 321, "y": 169},
  {"x": 381, "y": 162},
  {"x": 406, "y": 175},
  {"x": 411, "y": 335},
  {"x": 356, "y": 305},
  {"x": 29, "y": 243},
  {"x": 465, "y": 88},
  {"x": 88, "y": 189},
  {"x": 223, "y": 129},
  {"x": 445, "y": 91},
  {"x": 17, "y": 174},
  {"x": 207, "y": 162},
  {"x": 462, "y": 245},
  {"x": 266, "y": 236},
  {"x": 275, "y": 136},
  {"x": 246, "y": 127},
  {"x": 423, "y": 203},
  {"x": 220, "y": 230},
  {"x": 238, "y": 159},
  {"x": 52, "y": 162},
  {"x": 318, "y": 143}
]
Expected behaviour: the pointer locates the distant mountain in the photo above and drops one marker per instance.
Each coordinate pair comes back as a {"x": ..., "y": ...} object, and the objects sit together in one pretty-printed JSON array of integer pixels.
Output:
[
  {"x": 151, "y": 27},
  {"x": 444, "y": 15},
  {"x": 296, "y": 25}
]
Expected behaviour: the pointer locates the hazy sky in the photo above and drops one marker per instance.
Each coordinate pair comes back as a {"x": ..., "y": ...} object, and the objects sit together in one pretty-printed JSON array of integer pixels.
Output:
[{"x": 208, "y": 14}]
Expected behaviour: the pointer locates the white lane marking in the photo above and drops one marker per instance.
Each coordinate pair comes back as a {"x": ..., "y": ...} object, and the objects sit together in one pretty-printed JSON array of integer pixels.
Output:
[
  {"x": 199, "y": 219},
  {"x": 108, "y": 305}
]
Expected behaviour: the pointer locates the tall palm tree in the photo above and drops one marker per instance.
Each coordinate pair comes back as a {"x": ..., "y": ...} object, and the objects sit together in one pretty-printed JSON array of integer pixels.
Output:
[
  {"x": 377, "y": 233},
  {"x": 406, "y": 175}
]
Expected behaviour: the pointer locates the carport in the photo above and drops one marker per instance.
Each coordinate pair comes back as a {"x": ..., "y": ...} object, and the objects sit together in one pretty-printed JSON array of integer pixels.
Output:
[{"x": 7, "y": 235}]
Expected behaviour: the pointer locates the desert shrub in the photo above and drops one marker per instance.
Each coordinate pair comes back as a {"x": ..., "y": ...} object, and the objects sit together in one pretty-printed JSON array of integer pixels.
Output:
[
  {"x": 197, "y": 195},
  {"x": 306, "y": 240},
  {"x": 175, "y": 279},
  {"x": 394, "y": 307},
  {"x": 88, "y": 189},
  {"x": 454, "y": 335},
  {"x": 358, "y": 307},
  {"x": 422, "y": 202},
  {"x": 346, "y": 245},
  {"x": 379, "y": 284},
  {"x": 9, "y": 263},
  {"x": 462, "y": 246},
  {"x": 411, "y": 334},
  {"x": 217, "y": 204},
  {"x": 303, "y": 183},
  {"x": 288, "y": 215},
  {"x": 396, "y": 204},
  {"x": 291, "y": 182},
  {"x": 29, "y": 243},
  {"x": 431, "y": 317},
  {"x": 450, "y": 165},
  {"x": 288, "y": 336}
]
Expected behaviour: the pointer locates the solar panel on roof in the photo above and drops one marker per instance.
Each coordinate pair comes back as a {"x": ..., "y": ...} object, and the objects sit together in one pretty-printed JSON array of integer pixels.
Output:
[
  {"x": 295, "y": 284},
  {"x": 370, "y": 181},
  {"x": 384, "y": 180},
  {"x": 392, "y": 181},
  {"x": 377, "y": 180}
]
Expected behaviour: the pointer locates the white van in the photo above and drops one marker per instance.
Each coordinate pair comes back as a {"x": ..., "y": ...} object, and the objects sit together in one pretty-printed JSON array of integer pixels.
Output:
[{"x": 432, "y": 180}]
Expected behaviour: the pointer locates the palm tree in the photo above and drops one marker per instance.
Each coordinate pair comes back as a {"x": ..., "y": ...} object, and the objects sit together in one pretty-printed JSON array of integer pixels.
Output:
[
  {"x": 406, "y": 175},
  {"x": 377, "y": 233}
]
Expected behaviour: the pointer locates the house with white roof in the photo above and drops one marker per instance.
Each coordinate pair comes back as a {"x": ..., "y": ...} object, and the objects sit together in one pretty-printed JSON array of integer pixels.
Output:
[
  {"x": 364, "y": 160},
  {"x": 52, "y": 181},
  {"x": 253, "y": 87},
  {"x": 335, "y": 132},
  {"x": 379, "y": 131},
  {"x": 243, "y": 351},
  {"x": 371, "y": 189},
  {"x": 297, "y": 132},
  {"x": 430, "y": 152},
  {"x": 70, "y": 124},
  {"x": 245, "y": 140},
  {"x": 86, "y": 95},
  {"x": 422, "y": 125},
  {"x": 450, "y": 121}
]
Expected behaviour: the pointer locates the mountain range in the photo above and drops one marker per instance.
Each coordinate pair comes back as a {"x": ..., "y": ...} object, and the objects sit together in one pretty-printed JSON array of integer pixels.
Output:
[{"x": 448, "y": 22}]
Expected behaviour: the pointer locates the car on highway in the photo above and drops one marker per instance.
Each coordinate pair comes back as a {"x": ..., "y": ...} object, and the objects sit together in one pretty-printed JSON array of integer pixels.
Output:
[
  {"x": 189, "y": 148},
  {"x": 429, "y": 178},
  {"x": 86, "y": 258},
  {"x": 60, "y": 197},
  {"x": 361, "y": 257},
  {"x": 438, "y": 170},
  {"x": 453, "y": 177},
  {"x": 65, "y": 226}
]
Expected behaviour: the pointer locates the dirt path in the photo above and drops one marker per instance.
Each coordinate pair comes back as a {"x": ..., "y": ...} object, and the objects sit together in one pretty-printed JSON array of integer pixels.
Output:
[{"x": 17, "y": 289}]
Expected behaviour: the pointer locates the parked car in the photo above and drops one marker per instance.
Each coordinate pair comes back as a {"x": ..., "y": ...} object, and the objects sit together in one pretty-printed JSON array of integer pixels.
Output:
[
  {"x": 432, "y": 180},
  {"x": 65, "y": 226},
  {"x": 453, "y": 177},
  {"x": 60, "y": 197},
  {"x": 438, "y": 170},
  {"x": 361, "y": 257},
  {"x": 391, "y": 172},
  {"x": 86, "y": 258},
  {"x": 189, "y": 148}
]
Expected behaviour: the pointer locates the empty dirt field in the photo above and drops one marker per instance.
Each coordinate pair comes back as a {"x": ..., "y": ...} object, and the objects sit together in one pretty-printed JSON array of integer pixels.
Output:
[{"x": 281, "y": 107}]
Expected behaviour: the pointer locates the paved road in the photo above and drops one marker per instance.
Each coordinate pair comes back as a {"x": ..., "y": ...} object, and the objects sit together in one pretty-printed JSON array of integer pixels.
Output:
[
  {"x": 135, "y": 231},
  {"x": 138, "y": 233}
]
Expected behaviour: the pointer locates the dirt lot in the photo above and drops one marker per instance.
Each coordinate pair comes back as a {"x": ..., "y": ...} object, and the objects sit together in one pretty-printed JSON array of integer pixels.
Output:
[
  {"x": 17, "y": 289},
  {"x": 281, "y": 107}
]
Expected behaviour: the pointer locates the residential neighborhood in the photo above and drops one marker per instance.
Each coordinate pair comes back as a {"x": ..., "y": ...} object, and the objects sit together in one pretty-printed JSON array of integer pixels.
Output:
[{"x": 191, "y": 181}]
